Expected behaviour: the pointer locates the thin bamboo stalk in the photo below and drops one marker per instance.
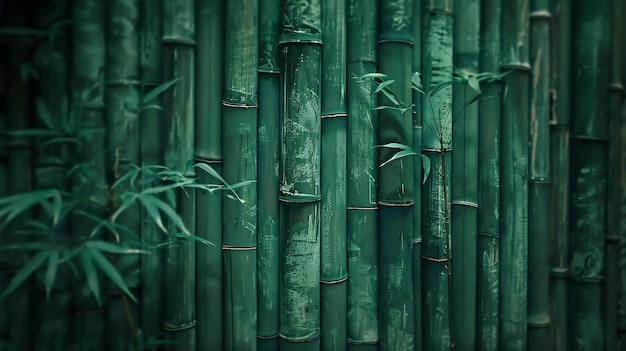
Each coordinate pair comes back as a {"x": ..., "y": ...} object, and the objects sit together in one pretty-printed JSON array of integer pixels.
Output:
[
  {"x": 616, "y": 102},
  {"x": 4, "y": 185},
  {"x": 268, "y": 207},
  {"x": 334, "y": 271},
  {"x": 514, "y": 181},
  {"x": 622, "y": 209},
  {"x": 539, "y": 177},
  {"x": 489, "y": 121},
  {"x": 437, "y": 146},
  {"x": 208, "y": 149},
  {"x": 178, "y": 41},
  {"x": 464, "y": 182},
  {"x": 151, "y": 154},
  {"x": 299, "y": 190},
  {"x": 589, "y": 141},
  {"x": 559, "y": 170}
]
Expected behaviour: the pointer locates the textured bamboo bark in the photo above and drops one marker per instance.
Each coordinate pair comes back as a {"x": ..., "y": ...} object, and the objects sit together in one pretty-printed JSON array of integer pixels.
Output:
[
  {"x": 268, "y": 207},
  {"x": 178, "y": 41},
  {"x": 239, "y": 144},
  {"x": 539, "y": 178},
  {"x": 334, "y": 271},
  {"x": 209, "y": 86},
  {"x": 151, "y": 154},
  {"x": 464, "y": 192},
  {"x": 589, "y": 139},
  {"x": 88, "y": 86},
  {"x": 362, "y": 212},
  {"x": 299, "y": 187},
  {"x": 559, "y": 170},
  {"x": 437, "y": 146},
  {"x": 489, "y": 145},
  {"x": 514, "y": 172},
  {"x": 123, "y": 142},
  {"x": 616, "y": 102},
  {"x": 395, "y": 190}
]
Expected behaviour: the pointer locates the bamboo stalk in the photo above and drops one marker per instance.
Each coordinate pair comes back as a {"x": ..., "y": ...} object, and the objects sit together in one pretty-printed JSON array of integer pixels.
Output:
[
  {"x": 151, "y": 154},
  {"x": 299, "y": 190},
  {"x": 334, "y": 271},
  {"x": 560, "y": 42},
  {"x": 616, "y": 102},
  {"x": 489, "y": 121},
  {"x": 539, "y": 178},
  {"x": 622, "y": 211},
  {"x": 514, "y": 181},
  {"x": 123, "y": 136},
  {"x": 437, "y": 146},
  {"x": 179, "y": 272},
  {"x": 208, "y": 149},
  {"x": 589, "y": 141},
  {"x": 268, "y": 207},
  {"x": 464, "y": 182}
]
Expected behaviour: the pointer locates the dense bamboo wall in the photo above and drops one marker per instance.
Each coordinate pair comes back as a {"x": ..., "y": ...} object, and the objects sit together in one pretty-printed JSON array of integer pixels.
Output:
[{"x": 407, "y": 175}]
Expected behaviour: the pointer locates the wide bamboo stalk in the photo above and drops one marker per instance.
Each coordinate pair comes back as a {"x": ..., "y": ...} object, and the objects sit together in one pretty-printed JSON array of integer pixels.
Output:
[
  {"x": 362, "y": 160},
  {"x": 589, "y": 142},
  {"x": 489, "y": 122},
  {"x": 560, "y": 43},
  {"x": 299, "y": 189},
  {"x": 123, "y": 142},
  {"x": 334, "y": 271},
  {"x": 208, "y": 149},
  {"x": 539, "y": 178},
  {"x": 437, "y": 146},
  {"x": 616, "y": 101},
  {"x": 464, "y": 192},
  {"x": 514, "y": 173},
  {"x": 179, "y": 270},
  {"x": 239, "y": 125},
  {"x": 268, "y": 207},
  {"x": 151, "y": 154},
  {"x": 88, "y": 86}
]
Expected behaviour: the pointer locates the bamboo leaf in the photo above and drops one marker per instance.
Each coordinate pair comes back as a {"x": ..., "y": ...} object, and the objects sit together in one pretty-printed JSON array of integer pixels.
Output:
[
  {"x": 51, "y": 273},
  {"x": 32, "y": 132},
  {"x": 426, "y": 166},
  {"x": 473, "y": 83},
  {"x": 153, "y": 211},
  {"x": 158, "y": 90},
  {"x": 44, "y": 113},
  {"x": 20, "y": 277},
  {"x": 396, "y": 146},
  {"x": 372, "y": 76},
  {"x": 171, "y": 213},
  {"x": 91, "y": 275},
  {"x": 111, "y": 248},
  {"x": 382, "y": 85},
  {"x": 399, "y": 154},
  {"x": 107, "y": 268}
]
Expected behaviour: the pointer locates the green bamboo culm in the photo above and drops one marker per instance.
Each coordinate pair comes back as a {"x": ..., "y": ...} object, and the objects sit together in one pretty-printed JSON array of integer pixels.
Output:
[
  {"x": 299, "y": 166},
  {"x": 209, "y": 86},
  {"x": 588, "y": 188},
  {"x": 437, "y": 34},
  {"x": 334, "y": 270},
  {"x": 622, "y": 209},
  {"x": 178, "y": 42},
  {"x": 489, "y": 145},
  {"x": 514, "y": 176},
  {"x": 151, "y": 154},
  {"x": 362, "y": 162},
  {"x": 464, "y": 182},
  {"x": 560, "y": 43},
  {"x": 124, "y": 149},
  {"x": 88, "y": 53},
  {"x": 239, "y": 144},
  {"x": 539, "y": 178},
  {"x": 268, "y": 207}
]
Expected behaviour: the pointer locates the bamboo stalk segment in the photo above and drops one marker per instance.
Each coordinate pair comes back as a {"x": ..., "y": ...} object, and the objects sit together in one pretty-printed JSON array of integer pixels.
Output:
[
  {"x": 539, "y": 177},
  {"x": 239, "y": 310},
  {"x": 514, "y": 176},
  {"x": 363, "y": 332},
  {"x": 560, "y": 43},
  {"x": 299, "y": 167},
  {"x": 489, "y": 122},
  {"x": 589, "y": 163},
  {"x": 268, "y": 206}
]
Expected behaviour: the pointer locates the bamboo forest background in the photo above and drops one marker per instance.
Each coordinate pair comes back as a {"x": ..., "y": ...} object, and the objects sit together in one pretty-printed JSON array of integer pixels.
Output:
[{"x": 312, "y": 175}]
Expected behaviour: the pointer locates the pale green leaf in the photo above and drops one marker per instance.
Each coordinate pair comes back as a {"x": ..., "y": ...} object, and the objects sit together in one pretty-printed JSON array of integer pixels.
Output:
[
  {"x": 26, "y": 271},
  {"x": 51, "y": 273},
  {"x": 90, "y": 274},
  {"x": 109, "y": 270}
]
